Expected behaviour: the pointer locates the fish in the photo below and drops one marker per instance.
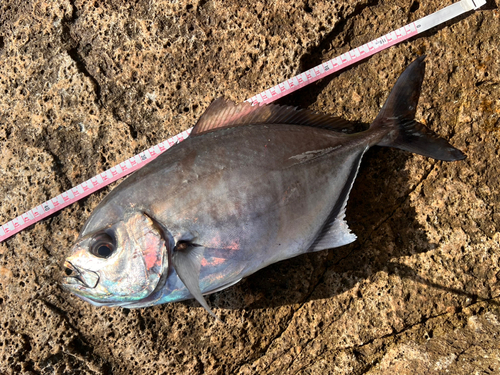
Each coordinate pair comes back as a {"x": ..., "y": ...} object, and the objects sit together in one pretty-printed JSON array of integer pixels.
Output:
[{"x": 251, "y": 186}]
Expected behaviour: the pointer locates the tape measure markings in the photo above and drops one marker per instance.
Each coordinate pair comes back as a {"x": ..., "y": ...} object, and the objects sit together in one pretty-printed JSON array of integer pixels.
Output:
[
  {"x": 88, "y": 187},
  {"x": 335, "y": 64},
  {"x": 303, "y": 79}
]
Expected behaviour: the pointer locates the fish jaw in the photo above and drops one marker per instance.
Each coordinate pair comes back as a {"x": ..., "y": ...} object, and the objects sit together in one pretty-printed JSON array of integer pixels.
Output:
[
  {"x": 82, "y": 277},
  {"x": 129, "y": 274}
]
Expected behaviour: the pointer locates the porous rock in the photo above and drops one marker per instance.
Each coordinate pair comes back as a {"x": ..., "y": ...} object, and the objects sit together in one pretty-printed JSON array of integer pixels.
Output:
[{"x": 87, "y": 84}]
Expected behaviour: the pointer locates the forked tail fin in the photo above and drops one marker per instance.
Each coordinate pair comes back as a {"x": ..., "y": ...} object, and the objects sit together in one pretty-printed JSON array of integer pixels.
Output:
[{"x": 398, "y": 115}]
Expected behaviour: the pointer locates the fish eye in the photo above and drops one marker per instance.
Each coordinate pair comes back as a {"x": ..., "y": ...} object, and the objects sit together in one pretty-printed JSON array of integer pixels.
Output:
[{"x": 103, "y": 246}]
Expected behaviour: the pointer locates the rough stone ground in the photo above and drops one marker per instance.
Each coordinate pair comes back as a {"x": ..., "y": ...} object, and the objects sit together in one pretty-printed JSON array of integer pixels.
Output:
[{"x": 87, "y": 84}]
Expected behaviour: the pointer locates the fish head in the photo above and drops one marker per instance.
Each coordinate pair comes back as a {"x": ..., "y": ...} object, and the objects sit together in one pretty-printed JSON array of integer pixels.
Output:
[{"x": 118, "y": 265}]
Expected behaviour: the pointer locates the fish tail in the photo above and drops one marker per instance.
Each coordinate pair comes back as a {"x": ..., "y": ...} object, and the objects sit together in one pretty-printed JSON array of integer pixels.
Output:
[{"x": 397, "y": 119}]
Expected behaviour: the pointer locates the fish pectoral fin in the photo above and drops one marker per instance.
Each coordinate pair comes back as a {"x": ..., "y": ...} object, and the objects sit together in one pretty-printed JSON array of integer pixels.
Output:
[
  {"x": 225, "y": 286},
  {"x": 187, "y": 264}
]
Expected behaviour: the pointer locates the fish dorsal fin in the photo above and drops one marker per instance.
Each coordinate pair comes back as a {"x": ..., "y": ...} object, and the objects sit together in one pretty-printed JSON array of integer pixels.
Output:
[
  {"x": 187, "y": 264},
  {"x": 336, "y": 232},
  {"x": 224, "y": 113}
]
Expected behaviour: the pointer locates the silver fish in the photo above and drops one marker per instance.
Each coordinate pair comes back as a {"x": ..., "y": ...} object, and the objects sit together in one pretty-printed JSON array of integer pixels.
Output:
[{"x": 251, "y": 186}]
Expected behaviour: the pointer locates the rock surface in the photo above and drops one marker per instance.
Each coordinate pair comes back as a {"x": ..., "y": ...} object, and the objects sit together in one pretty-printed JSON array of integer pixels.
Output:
[{"x": 87, "y": 84}]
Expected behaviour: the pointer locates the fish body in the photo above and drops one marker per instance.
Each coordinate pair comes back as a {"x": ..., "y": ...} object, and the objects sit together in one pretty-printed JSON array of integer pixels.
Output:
[{"x": 250, "y": 187}]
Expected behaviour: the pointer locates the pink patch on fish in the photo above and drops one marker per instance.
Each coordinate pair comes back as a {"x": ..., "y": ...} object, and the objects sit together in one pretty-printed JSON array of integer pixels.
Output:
[
  {"x": 151, "y": 250},
  {"x": 213, "y": 261},
  {"x": 233, "y": 246},
  {"x": 218, "y": 243}
]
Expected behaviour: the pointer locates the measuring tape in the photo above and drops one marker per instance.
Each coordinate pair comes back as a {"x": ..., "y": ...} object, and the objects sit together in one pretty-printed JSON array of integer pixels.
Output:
[{"x": 128, "y": 166}]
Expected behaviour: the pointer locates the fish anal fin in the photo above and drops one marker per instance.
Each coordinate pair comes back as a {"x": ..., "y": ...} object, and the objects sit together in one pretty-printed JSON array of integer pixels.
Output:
[
  {"x": 337, "y": 235},
  {"x": 335, "y": 231},
  {"x": 224, "y": 113},
  {"x": 187, "y": 263}
]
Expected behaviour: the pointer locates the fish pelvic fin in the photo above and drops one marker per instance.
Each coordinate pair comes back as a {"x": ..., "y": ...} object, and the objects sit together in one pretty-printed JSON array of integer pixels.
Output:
[
  {"x": 187, "y": 263},
  {"x": 398, "y": 117}
]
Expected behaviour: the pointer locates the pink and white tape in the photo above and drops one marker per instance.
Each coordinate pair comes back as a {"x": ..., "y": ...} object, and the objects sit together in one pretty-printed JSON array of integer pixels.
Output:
[{"x": 130, "y": 165}]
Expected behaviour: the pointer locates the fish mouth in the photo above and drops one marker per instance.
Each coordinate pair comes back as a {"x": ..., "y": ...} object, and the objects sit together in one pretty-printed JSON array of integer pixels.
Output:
[{"x": 78, "y": 278}]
